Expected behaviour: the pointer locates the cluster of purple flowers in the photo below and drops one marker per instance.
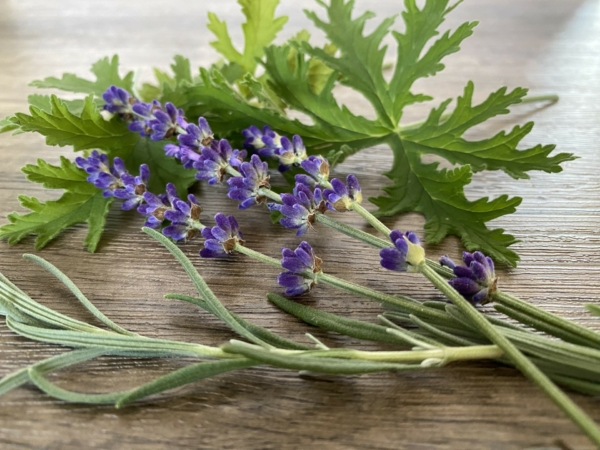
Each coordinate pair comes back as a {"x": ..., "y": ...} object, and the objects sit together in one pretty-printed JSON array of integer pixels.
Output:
[
  {"x": 397, "y": 258},
  {"x": 246, "y": 188},
  {"x": 476, "y": 280},
  {"x": 269, "y": 144},
  {"x": 147, "y": 119},
  {"x": 248, "y": 182},
  {"x": 193, "y": 139},
  {"x": 317, "y": 172},
  {"x": 195, "y": 148},
  {"x": 298, "y": 264},
  {"x": 184, "y": 217},
  {"x": 222, "y": 238},
  {"x": 299, "y": 208},
  {"x": 340, "y": 196},
  {"x": 114, "y": 179},
  {"x": 214, "y": 161}
]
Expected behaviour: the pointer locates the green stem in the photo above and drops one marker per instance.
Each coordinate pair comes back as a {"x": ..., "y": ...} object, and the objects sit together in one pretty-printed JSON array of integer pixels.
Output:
[
  {"x": 547, "y": 317},
  {"x": 233, "y": 172},
  {"x": 540, "y": 98},
  {"x": 374, "y": 221},
  {"x": 406, "y": 303},
  {"x": 270, "y": 194},
  {"x": 355, "y": 233},
  {"x": 540, "y": 325},
  {"x": 446, "y": 354},
  {"x": 577, "y": 415},
  {"x": 257, "y": 255},
  {"x": 201, "y": 286}
]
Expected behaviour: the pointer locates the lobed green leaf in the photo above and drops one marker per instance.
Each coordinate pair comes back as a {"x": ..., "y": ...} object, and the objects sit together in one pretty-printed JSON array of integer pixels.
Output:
[{"x": 106, "y": 72}]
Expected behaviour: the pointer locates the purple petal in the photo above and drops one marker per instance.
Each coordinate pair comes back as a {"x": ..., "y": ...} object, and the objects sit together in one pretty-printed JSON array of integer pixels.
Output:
[
  {"x": 446, "y": 261},
  {"x": 464, "y": 272},
  {"x": 401, "y": 245},
  {"x": 176, "y": 232},
  {"x": 465, "y": 286},
  {"x": 481, "y": 295},
  {"x": 412, "y": 237},
  {"x": 479, "y": 270},
  {"x": 392, "y": 259},
  {"x": 467, "y": 258},
  {"x": 293, "y": 264},
  {"x": 339, "y": 188}
]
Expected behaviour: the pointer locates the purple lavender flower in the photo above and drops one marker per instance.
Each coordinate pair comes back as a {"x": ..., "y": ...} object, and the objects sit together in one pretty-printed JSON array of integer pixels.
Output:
[
  {"x": 118, "y": 101},
  {"x": 237, "y": 158},
  {"x": 115, "y": 180},
  {"x": 151, "y": 119},
  {"x": 184, "y": 218},
  {"x": 165, "y": 123},
  {"x": 133, "y": 188},
  {"x": 406, "y": 254},
  {"x": 317, "y": 168},
  {"x": 341, "y": 196},
  {"x": 154, "y": 209},
  {"x": 196, "y": 137},
  {"x": 214, "y": 161},
  {"x": 266, "y": 139},
  {"x": 143, "y": 113},
  {"x": 476, "y": 280},
  {"x": 99, "y": 174},
  {"x": 298, "y": 263},
  {"x": 246, "y": 188},
  {"x": 269, "y": 144},
  {"x": 299, "y": 208},
  {"x": 290, "y": 153},
  {"x": 222, "y": 238}
]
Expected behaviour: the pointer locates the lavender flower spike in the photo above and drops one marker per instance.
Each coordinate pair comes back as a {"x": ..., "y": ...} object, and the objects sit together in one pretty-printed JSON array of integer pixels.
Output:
[
  {"x": 99, "y": 174},
  {"x": 133, "y": 188},
  {"x": 257, "y": 139},
  {"x": 118, "y": 101},
  {"x": 317, "y": 169},
  {"x": 165, "y": 124},
  {"x": 246, "y": 188},
  {"x": 341, "y": 196},
  {"x": 156, "y": 206},
  {"x": 184, "y": 218},
  {"x": 196, "y": 137},
  {"x": 298, "y": 263},
  {"x": 476, "y": 280},
  {"x": 299, "y": 208},
  {"x": 115, "y": 180},
  {"x": 214, "y": 161},
  {"x": 222, "y": 238},
  {"x": 291, "y": 153},
  {"x": 406, "y": 255}
]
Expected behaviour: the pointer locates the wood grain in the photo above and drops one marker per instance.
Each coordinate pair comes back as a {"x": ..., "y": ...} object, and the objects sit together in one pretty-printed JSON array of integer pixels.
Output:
[{"x": 547, "y": 46}]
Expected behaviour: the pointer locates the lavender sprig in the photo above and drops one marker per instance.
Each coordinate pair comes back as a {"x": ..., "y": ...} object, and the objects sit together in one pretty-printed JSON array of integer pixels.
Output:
[
  {"x": 297, "y": 263},
  {"x": 248, "y": 188},
  {"x": 318, "y": 174},
  {"x": 221, "y": 239},
  {"x": 300, "y": 208},
  {"x": 115, "y": 180},
  {"x": 476, "y": 280}
]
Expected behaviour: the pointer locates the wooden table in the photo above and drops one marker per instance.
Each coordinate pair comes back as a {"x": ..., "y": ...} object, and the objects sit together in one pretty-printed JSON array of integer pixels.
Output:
[{"x": 546, "y": 46}]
